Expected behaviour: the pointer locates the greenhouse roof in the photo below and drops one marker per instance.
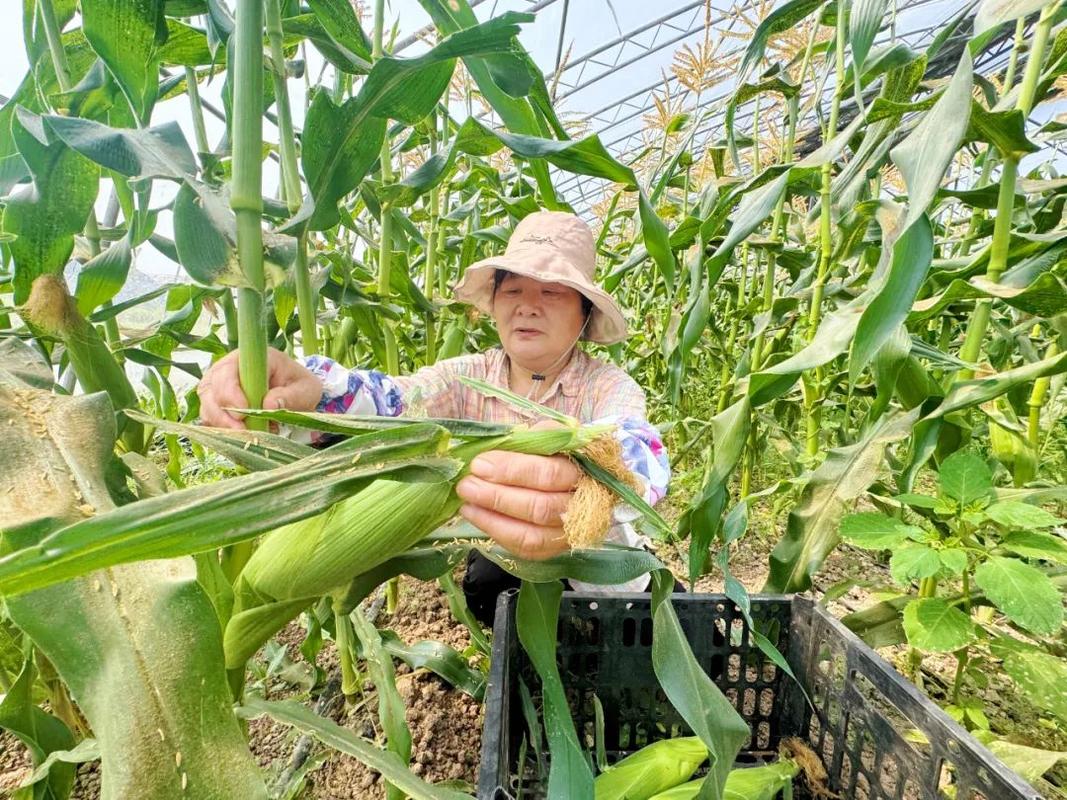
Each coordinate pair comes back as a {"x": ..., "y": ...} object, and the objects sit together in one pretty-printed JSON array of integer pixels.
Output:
[{"x": 619, "y": 68}]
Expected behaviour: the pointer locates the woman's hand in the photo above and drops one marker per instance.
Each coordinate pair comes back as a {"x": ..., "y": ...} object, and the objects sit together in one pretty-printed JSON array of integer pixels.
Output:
[
  {"x": 289, "y": 385},
  {"x": 519, "y": 500}
]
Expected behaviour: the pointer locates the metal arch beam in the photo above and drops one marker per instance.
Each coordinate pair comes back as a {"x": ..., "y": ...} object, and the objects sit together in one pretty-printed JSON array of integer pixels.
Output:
[
  {"x": 649, "y": 50},
  {"x": 913, "y": 35},
  {"x": 710, "y": 100},
  {"x": 620, "y": 42}
]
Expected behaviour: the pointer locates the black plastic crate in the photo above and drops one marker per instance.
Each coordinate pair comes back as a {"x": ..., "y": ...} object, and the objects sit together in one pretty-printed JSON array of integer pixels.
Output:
[{"x": 863, "y": 723}]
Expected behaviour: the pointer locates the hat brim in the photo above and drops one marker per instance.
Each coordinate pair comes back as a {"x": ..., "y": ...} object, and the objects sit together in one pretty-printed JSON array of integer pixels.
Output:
[{"x": 607, "y": 323}]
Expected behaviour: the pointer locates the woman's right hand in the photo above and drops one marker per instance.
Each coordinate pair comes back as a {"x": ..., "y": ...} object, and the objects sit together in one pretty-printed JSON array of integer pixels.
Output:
[{"x": 289, "y": 385}]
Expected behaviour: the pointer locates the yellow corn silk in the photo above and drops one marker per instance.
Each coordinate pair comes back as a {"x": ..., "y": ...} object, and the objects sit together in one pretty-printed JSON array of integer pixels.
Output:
[
  {"x": 749, "y": 783},
  {"x": 652, "y": 769}
]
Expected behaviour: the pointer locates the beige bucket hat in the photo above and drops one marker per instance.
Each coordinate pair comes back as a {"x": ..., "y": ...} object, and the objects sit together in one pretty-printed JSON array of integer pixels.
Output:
[{"x": 554, "y": 247}]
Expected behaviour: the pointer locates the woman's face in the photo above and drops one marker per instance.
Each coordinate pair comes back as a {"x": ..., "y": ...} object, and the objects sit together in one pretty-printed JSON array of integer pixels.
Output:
[{"x": 537, "y": 321}]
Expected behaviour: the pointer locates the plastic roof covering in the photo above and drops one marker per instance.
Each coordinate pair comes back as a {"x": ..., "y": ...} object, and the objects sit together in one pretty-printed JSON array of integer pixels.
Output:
[{"x": 616, "y": 57}]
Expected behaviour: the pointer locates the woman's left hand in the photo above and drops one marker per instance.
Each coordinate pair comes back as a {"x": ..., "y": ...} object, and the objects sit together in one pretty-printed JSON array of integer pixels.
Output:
[{"x": 519, "y": 500}]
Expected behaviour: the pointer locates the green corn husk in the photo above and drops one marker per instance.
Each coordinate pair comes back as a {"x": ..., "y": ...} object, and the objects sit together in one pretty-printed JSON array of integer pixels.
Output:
[
  {"x": 748, "y": 783},
  {"x": 301, "y": 562},
  {"x": 652, "y": 769}
]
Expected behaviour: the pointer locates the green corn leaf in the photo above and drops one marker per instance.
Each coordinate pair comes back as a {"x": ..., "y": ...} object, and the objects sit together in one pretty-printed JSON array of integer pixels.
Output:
[
  {"x": 1045, "y": 296},
  {"x": 351, "y": 424},
  {"x": 339, "y": 20},
  {"x": 969, "y": 393},
  {"x": 812, "y": 528},
  {"x": 702, "y": 519},
  {"x": 213, "y": 515},
  {"x": 702, "y": 705},
  {"x": 103, "y": 276},
  {"x": 138, "y": 647},
  {"x": 252, "y": 450},
  {"x": 303, "y": 719},
  {"x": 45, "y": 215},
  {"x": 343, "y": 142},
  {"x": 536, "y": 618},
  {"x": 157, "y": 152},
  {"x": 992, "y": 13},
  {"x": 925, "y": 155},
  {"x": 889, "y": 308},
  {"x": 864, "y": 19},
  {"x": 127, "y": 36},
  {"x": 1005, "y": 130},
  {"x": 780, "y": 19},
  {"x": 40, "y": 733}
]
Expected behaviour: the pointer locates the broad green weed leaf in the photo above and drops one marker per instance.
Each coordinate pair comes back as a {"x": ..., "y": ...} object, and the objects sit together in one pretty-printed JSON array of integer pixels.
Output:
[
  {"x": 873, "y": 531},
  {"x": 933, "y": 625},
  {"x": 965, "y": 478},
  {"x": 1041, "y": 677},
  {"x": 1036, "y": 544},
  {"x": 1024, "y": 593},
  {"x": 914, "y": 562},
  {"x": 1013, "y": 514}
]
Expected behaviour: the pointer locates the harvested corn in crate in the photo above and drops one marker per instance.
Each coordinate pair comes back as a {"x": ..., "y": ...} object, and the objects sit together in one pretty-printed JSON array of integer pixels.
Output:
[{"x": 874, "y": 735}]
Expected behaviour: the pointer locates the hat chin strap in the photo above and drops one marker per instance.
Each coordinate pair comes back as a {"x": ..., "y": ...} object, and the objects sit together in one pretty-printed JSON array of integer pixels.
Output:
[{"x": 539, "y": 377}]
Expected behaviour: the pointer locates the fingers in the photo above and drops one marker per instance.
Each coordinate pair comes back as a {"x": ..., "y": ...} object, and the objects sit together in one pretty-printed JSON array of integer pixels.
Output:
[
  {"x": 529, "y": 505},
  {"x": 523, "y": 539},
  {"x": 221, "y": 388},
  {"x": 301, "y": 395},
  {"x": 543, "y": 473},
  {"x": 292, "y": 385}
]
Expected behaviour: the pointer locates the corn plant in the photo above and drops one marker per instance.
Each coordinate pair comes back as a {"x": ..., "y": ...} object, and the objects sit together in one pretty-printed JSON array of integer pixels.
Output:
[{"x": 857, "y": 275}]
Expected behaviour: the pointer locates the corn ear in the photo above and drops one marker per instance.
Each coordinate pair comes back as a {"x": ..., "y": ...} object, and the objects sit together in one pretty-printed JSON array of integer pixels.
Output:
[
  {"x": 748, "y": 783},
  {"x": 314, "y": 557},
  {"x": 652, "y": 770},
  {"x": 311, "y": 558}
]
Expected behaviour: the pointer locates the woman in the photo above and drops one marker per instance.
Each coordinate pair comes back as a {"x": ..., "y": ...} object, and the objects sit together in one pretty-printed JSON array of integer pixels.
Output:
[{"x": 541, "y": 296}]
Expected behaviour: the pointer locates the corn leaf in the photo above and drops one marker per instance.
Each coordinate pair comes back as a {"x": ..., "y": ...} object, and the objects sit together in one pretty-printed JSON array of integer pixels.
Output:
[
  {"x": 126, "y": 35},
  {"x": 303, "y": 719},
  {"x": 213, "y": 515},
  {"x": 138, "y": 647},
  {"x": 700, "y": 702},
  {"x": 536, "y": 618}
]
